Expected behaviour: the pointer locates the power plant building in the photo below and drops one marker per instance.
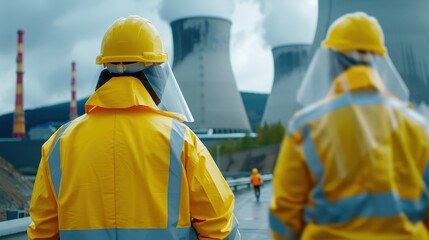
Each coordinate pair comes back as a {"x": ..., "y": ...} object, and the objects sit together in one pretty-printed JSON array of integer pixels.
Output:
[
  {"x": 406, "y": 31},
  {"x": 202, "y": 67},
  {"x": 290, "y": 63}
]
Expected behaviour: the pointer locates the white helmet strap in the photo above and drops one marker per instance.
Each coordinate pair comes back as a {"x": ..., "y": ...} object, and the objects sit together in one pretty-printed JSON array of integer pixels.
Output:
[{"x": 126, "y": 68}]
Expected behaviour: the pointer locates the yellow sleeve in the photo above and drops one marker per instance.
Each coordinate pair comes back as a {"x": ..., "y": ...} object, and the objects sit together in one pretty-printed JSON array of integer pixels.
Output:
[
  {"x": 43, "y": 206},
  {"x": 211, "y": 199},
  {"x": 291, "y": 187}
]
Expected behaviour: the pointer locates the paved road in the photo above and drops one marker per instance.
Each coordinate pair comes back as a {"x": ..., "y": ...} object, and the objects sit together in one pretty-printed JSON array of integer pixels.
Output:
[{"x": 253, "y": 216}]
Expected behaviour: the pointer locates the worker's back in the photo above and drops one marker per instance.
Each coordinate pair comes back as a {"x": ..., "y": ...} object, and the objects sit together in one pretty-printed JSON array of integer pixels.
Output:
[
  {"x": 255, "y": 179},
  {"x": 134, "y": 172},
  {"x": 366, "y": 178},
  {"x": 115, "y": 171}
]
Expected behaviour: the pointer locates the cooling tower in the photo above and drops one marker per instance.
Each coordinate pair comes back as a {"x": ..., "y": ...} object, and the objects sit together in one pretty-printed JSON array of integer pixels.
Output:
[
  {"x": 406, "y": 29},
  {"x": 290, "y": 62},
  {"x": 203, "y": 70}
]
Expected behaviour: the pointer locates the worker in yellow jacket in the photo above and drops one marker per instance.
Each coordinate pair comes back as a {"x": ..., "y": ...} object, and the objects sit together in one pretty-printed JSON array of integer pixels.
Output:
[
  {"x": 129, "y": 168},
  {"x": 354, "y": 163}
]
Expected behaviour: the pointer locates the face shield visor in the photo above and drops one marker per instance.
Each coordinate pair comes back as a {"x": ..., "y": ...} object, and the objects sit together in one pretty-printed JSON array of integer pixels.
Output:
[
  {"x": 162, "y": 82},
  {"x": 359, "y": 121},
  {"x": 328, "y": 64}
]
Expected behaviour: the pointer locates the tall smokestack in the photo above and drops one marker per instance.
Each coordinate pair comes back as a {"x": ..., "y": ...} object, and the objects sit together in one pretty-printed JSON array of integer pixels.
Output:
[
  {"x": 203, "y": 69},
  {"x": 73, "y": 109},
  {"x": 19, "y": 117},
  {"x": 290, "y": 63},
  {"x": 406, "y": 37}
]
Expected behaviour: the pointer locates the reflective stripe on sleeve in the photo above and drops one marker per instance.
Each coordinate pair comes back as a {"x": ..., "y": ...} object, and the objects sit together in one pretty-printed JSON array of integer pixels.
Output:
[
  {"x": 426, "y": 175},
  {"x": 175, "y": 176},
  {"x": 282, "y": 229},
  {"x": 54, "y": 160},
  {"x": 234, "y": 230}
]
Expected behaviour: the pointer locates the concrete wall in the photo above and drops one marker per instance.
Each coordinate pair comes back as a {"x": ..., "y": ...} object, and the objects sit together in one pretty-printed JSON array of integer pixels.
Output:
[
  {"x": 263, "y": 158},
  {"x": 23, "y": 155}
]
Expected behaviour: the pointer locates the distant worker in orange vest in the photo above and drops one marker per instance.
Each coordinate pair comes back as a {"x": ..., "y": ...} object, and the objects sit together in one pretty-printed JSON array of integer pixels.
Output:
[{"x": 256, "y": 181}]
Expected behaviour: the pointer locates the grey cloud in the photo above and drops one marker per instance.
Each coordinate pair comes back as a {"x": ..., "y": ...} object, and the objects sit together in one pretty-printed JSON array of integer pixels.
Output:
[
  {"x": 58, "y": 32},
  {"x": 55, "y": 32}
]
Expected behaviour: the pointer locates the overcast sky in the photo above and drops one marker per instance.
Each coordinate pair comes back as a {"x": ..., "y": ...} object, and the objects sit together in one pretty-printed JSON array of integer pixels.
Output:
[{"x": 58, "y": 32}]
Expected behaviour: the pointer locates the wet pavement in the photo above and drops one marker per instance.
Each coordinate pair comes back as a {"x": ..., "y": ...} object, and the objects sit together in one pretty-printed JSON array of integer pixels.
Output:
[{"x": 253, "y": 216}]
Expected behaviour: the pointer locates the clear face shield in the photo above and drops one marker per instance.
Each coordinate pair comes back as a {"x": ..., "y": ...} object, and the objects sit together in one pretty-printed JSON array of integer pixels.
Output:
[
  {"x": 165, "y": 85},
  {"x": 327, "y": 65},
  {"x": 368, "y": 83},
  {"x": 162, "y": 81}
]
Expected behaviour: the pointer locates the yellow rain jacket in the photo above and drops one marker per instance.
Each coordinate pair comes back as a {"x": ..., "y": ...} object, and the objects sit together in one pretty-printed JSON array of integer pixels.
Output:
[
  {"x": 328, "y": 182},
  {"x": 127, "y": 170}
]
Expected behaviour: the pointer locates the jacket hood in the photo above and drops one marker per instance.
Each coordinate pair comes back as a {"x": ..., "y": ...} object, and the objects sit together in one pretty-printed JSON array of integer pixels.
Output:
[{"x": 123, "y": 92}]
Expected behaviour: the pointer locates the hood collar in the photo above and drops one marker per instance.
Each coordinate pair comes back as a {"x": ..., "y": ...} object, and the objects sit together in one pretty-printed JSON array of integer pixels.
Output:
[
  {"x": 358, "y": 78},
  {"x": 123, "y": 92}
]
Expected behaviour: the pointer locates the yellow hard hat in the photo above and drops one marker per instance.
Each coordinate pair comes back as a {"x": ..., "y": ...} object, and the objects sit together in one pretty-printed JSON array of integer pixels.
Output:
[
  {"x": 254, "y": 170},
  {"x": 356, "y": 31},
  {"x": 132, "y": 39}
]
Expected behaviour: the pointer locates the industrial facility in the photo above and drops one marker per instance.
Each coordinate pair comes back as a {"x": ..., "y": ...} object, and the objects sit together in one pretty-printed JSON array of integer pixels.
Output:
[
  {"x": 290, "y": 63},
  {"x": 202, "y": 67}
]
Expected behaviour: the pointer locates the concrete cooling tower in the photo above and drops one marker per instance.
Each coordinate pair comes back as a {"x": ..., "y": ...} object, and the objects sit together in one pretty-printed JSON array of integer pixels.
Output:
[
  {"x": 290, "y": 63},
  {"x": 203, "y": 70},
  {"x": 406, "y": 29}
]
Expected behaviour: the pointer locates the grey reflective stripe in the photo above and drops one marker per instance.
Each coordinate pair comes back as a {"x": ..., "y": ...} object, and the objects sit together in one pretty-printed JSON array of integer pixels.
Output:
[
  {"x": 54, "y": 160},
  {"x": 126, "y": 234},
  {"x": 175, "y": 175},
  {"x": 316, "y": 111},
  {"x": 234, "y": 229},
  {"x": 281, "y": 228}
]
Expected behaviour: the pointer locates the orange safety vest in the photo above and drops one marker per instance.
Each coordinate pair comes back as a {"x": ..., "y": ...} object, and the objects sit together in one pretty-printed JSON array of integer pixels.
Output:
[{"x": 256, "y": 179}]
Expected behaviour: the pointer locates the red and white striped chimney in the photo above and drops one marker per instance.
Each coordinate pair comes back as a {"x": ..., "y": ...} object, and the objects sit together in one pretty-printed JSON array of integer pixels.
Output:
[
  {"x": 19, "y": 117},
  {"x": 73, "y": 109}
]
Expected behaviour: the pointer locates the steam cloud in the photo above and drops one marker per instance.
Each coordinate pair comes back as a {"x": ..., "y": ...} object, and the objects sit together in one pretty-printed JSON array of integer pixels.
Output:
[
  {"x": 289, "y": 21},
  {"x": 171, "y": 10}
]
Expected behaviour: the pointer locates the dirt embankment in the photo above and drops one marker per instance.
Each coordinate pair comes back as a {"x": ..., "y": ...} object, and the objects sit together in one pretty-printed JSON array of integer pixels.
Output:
[{"x": 15, "y": 190}]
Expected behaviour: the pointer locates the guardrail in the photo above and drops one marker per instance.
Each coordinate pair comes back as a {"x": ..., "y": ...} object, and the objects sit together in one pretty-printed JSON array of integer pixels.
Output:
[
  {"x": 234, "y": 184},
  {"x": 16, "y": 229},
  {"x": 13, "y": 228}
]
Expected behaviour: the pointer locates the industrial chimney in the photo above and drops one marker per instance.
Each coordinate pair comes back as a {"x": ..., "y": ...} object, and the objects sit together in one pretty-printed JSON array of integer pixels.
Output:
[
  {"x": 406, "y": 32},
  {"x": 290, "y": 63},
  {"x": 203, "y": 70},
  {"x": 73, "y": 108},
  {"x": 19, "y": 117}
]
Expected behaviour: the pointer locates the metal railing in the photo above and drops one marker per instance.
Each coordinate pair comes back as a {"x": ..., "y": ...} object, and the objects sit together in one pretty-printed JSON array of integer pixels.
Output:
[
  {"x": 14, "y": 229},
  {"x": 235, "y": 184}
]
